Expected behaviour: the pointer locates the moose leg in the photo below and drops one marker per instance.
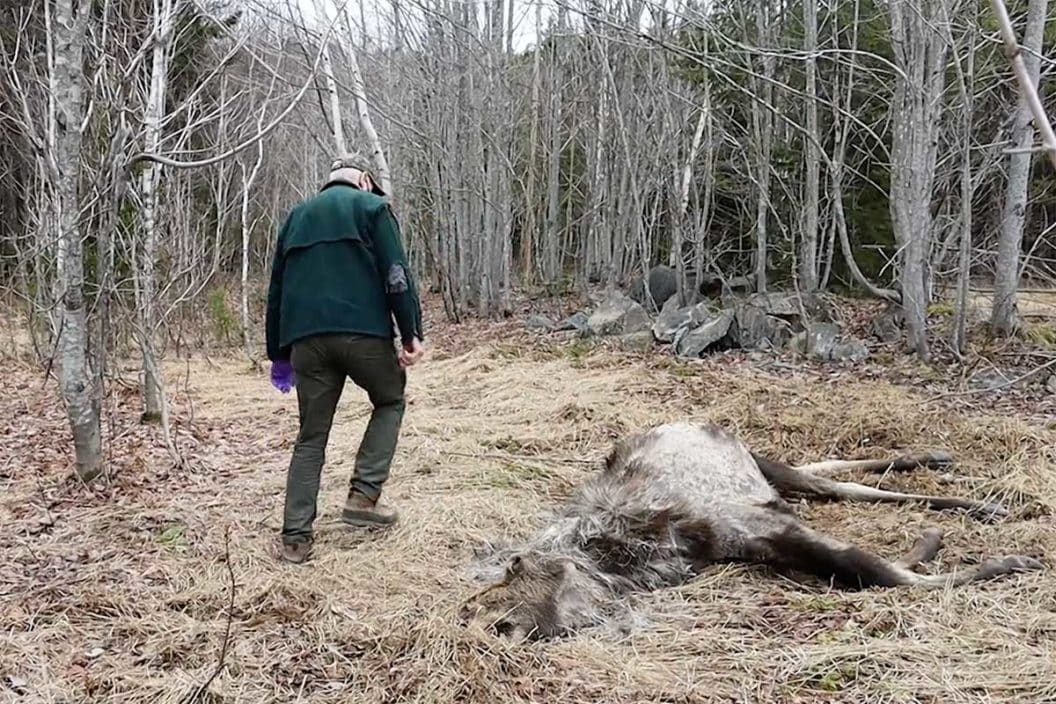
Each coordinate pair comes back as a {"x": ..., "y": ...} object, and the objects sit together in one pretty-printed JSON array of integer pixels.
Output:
[
  {"x": 795, "y": 546},
  {"x": 925, "y": 548},
  {"x": 791, "y": 482},
  {"x": 932, "y": 460}
]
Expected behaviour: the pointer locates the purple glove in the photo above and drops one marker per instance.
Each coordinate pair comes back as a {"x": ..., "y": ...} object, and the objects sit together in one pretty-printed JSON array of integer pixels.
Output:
[{"x": 282, "y": 377}]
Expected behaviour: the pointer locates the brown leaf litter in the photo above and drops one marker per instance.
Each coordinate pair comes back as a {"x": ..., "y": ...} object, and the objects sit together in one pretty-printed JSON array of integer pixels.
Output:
[{"x": 120, "y": 592}]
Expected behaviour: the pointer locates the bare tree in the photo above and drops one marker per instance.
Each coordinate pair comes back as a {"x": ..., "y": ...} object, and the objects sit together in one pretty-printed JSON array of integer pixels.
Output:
[
  {"x": 1003, "y": 319},
  {"x": 808, "y": 243},
  {"x": 153, "y": 115},
  {"x": 67, "y": 23},
  {"x": 920, "y": 49}
]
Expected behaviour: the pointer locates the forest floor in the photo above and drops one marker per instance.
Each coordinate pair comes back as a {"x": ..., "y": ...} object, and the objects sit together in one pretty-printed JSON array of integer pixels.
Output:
[{"x": 137, "y": 588}]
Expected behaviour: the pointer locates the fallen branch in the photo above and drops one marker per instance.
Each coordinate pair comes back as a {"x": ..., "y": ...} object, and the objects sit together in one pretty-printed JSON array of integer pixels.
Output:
[
  {"x": 1012, "y": 382},
  {"x": 508, "y": 456},
  {"x": 197, "y": 694},
  {"x": 1030, "y": 93}
]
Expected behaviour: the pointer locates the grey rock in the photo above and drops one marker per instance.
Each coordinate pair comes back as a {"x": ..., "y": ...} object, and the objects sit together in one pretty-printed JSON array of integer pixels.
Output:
[
  {"x": 673, "y": 317},
  {"x": 539, "y": 322},
  {"x": 822, "y": 341},
  {"x": 852, "y": 350},
  {"x": 1050, "y": 385},
  {"x": 887, "y": 327},
  {"x": 787, "y": 306},
  {"x": 712, "y": 286},
  {"x": 692, "y": 342},
  {"x": 638, "y": 341},
  {"x": 757, "y": 330},
  {"x": 618, "y": 315},
  {"x": 576, "y": 321},
  {"x": 663, "y": 285}
]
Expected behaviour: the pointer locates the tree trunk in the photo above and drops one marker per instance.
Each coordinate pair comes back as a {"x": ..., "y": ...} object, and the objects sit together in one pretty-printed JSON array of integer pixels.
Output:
[
  {"x": 66, "y": 115},
  {"x": 1003, "y": 320},
  {"x": 335, "y": 103},
  {"x": 552, "y": 258},
  {"x": 920, "y": 48},
  {"x": 152, "y": 117},
  {"x": 366, "y": 124},
  {"x": 531, "y": 223},
  {"x": 808, "y": 243},
  {"x": 960, "y": 317},
  {"x": 247, "y": 184},
  {"x": 762, "y": 123},
  {"x": 677, "y": 258}
]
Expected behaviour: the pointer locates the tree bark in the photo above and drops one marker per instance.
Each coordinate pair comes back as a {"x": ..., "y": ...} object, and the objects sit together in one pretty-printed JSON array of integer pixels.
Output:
[
  {"x": 152, "y": 124},
  {"x": 960, "y": 314},
  {"x": 366, "y": 124},
  {"x": 1004, "y": 318},
  {"x": 67, "y": 35},
  {"x": 920, "y": 49},
  {"x": 808, "y": 243},
  {"x": 335, "y": 102}
]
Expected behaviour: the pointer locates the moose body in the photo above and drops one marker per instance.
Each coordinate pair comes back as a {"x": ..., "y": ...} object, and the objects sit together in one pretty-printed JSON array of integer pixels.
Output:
[{"x": 678, "y": 497}]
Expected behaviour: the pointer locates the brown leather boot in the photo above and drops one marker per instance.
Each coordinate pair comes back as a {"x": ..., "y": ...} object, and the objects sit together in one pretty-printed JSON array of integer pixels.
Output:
[
  {"x": 361, "y": 511},
  {"x": 296, "y": 553}
]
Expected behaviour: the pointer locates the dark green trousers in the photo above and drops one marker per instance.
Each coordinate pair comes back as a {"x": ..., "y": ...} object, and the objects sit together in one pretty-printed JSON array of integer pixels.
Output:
[{"x": 322, "y": 364}]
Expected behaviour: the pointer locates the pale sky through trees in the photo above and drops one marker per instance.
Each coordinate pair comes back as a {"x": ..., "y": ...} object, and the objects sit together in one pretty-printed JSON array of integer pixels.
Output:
[{"x": 378, "y": 15}]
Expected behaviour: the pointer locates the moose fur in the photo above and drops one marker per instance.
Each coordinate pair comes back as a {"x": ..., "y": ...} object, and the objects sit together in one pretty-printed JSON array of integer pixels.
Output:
[{"x": 678, "y": 497}]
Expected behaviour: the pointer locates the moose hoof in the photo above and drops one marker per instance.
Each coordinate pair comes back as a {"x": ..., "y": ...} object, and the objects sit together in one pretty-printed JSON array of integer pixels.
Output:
[{"x": 1010, "y": 564}]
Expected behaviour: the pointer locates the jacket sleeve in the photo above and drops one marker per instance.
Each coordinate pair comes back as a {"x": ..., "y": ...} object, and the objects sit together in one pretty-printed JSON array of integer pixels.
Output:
[
  {"x": 400, "y": 288},
  {"x": 274, "y": 305}
]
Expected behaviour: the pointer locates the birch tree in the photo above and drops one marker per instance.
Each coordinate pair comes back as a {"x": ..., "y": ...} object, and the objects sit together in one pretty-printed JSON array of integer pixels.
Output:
[
  {"x": 67, "y": 23},
  {"x": 1003, "y": 319},
  {"x": 154, "y": 113},
  {"x": 808, "y": 268},
  {"x": 918, "y": 40}
]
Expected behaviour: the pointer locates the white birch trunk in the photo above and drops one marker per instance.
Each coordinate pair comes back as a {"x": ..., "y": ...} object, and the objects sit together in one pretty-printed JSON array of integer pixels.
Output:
[
  {"x": 335, "y": 103},
  {"x": 1004, "y": 318},
  {"x": 66, "y": 114},
  {"x": 762, "y": 121},
  {"x": 247, "y": 185},
  {"x": 964, "y": 83},
  {"x": 920, "y": 50},
  {"x": 808, "y": 267},
  {"x": 152, "y": 126},
  {"x": 531, "y": 226},
  {"x": 366, "y": 124},
  {"x": 677, "y": 260}
]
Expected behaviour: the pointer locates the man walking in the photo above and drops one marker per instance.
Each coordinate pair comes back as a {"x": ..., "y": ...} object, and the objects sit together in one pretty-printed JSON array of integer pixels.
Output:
[{"x": 339, "y": 277}]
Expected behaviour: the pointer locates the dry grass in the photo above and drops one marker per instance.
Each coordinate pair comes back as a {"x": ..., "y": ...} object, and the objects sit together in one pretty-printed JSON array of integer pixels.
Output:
[{"x": 125, "y": 597}]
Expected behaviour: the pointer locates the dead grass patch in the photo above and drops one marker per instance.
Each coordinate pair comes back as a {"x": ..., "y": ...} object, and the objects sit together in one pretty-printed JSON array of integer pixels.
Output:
[{"x": 125, "y": 599}]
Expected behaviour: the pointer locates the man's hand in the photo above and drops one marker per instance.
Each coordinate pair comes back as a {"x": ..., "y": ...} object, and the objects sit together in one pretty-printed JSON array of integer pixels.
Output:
[
  {"x": 409, "y": 356},
  {"x": 283, "y": 377}
]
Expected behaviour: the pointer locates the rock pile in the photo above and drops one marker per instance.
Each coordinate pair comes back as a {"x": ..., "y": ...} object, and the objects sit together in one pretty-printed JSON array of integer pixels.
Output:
[{"x": 753, "y": 321}]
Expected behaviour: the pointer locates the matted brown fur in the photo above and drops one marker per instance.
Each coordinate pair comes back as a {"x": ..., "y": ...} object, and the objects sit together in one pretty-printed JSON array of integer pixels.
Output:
[
  {"x": 124, "y": 597},
  {"x": 678, "y": 497}
]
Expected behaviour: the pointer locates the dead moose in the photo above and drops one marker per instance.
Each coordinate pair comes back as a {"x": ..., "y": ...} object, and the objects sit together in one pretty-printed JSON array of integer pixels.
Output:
[{"x": 678, "y": 497}]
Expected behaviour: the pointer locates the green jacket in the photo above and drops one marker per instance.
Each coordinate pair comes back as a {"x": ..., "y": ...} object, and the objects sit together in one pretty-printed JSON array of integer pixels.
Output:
[{"x": 339, "y": 267}]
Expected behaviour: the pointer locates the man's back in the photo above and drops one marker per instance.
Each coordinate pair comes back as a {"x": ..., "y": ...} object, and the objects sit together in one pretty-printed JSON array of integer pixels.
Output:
[{"x": 340, "y": 268}]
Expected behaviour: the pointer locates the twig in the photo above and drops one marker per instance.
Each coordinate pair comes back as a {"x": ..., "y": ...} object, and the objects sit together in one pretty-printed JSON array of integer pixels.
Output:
[
  {"x": 507, "y": 456},
  {"x": 230, "y": 617},
  {"x": 43, "y": 496},
  {"x": 54, "y": 351},
  {"x": 1013, "y": 382},
  {"x": 1026, "y": 86}
]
